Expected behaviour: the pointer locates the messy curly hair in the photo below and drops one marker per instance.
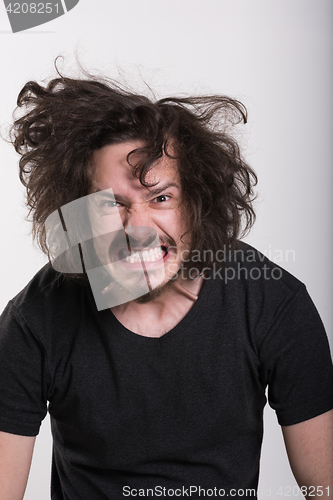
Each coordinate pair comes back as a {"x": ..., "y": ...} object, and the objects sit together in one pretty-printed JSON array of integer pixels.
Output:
[{"x": 64, "y": 121}]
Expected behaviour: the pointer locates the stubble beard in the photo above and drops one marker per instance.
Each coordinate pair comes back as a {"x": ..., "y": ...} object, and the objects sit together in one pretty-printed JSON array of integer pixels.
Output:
[{"x": 157, "y": 292}]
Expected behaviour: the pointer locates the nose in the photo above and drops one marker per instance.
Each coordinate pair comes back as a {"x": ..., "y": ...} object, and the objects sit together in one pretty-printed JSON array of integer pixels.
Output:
[
  {"x": 137, "y": 226},
  {"x": 140, "y": 236},
  {"x": 136, "y": 215}
]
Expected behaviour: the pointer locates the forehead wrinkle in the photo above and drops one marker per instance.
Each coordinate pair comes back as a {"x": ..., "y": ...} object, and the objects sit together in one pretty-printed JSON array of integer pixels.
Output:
[
  {"x": 163, "y": 175},
  {"x": 151, "y": 192},
  {"x": 160, "y": 189}
]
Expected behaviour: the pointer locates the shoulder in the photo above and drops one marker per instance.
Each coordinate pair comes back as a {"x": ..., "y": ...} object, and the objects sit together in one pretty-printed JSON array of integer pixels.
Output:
[
  {"x": 260, "y": 269},
  {"x": 259, "y": 291},
  {"x": 49, "y": 299},
  {"x": 48, "y": 286},
  {"x": 250, "y": 272},
  {"x": 44, "y": 281}
]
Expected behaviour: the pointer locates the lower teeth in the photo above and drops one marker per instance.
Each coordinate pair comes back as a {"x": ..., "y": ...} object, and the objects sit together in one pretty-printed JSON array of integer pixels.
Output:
[{"x": 152, "y": 257}]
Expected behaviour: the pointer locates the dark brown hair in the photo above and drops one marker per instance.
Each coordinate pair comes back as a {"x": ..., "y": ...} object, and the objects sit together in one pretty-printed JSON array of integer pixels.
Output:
[{"x": 65, "y": 121}]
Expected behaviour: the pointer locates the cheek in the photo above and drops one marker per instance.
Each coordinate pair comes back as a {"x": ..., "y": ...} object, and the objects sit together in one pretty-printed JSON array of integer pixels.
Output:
[{"x": 172, "y": 223}]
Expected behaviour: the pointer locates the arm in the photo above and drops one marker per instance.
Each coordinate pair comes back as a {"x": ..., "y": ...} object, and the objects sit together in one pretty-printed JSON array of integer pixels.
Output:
[
  {"x": 309, "y": 447},
  {"x": 15, "y": 460}
]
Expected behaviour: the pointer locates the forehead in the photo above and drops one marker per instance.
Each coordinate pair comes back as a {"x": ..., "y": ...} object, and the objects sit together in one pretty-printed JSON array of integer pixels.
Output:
[{"x": 111, "y": 168}]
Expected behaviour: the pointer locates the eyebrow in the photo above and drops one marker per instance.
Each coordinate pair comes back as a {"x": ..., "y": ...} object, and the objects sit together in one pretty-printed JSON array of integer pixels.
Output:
[
  {"x": 154, "y": 192},
  {"x": 151, "y": 192}
]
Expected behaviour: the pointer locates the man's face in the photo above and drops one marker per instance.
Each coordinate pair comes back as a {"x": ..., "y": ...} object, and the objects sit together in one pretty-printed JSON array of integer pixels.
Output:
[{"x": 140, "y": 210}]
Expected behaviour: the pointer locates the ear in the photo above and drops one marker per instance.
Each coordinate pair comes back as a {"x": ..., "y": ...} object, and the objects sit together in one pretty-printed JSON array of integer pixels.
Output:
[{"x": 64, "y": 257}]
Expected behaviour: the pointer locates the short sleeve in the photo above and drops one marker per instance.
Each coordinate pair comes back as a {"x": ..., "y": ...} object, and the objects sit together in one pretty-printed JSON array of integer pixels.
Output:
[
  {"x": 296, "y": 362},
  {"x": 23, "y": 376}
]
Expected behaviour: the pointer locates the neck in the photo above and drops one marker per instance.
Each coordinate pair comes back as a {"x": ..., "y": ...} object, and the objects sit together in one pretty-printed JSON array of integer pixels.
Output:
[{"x": 179, "y": 296}]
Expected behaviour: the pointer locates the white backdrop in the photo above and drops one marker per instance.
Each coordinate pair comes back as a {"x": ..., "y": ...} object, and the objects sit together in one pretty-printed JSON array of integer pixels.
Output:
[{"x": 275, "y": 56}]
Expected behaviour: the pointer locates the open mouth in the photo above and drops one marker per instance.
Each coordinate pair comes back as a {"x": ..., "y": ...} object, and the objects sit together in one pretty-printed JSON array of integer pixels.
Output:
[{"x": 148, "y": 256}]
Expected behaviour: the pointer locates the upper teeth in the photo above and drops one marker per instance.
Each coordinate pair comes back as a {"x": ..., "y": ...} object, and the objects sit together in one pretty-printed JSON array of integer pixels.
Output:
[{"x": 147, "y": 255}]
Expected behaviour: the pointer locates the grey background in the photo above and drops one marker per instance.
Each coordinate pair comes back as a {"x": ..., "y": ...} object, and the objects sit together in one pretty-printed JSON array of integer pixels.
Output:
[{"x": 275, "y": 56}]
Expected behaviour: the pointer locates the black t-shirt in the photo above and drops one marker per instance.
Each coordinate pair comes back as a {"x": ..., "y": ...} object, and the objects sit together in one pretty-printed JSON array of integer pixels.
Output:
[{"x": 163, "y": 417}]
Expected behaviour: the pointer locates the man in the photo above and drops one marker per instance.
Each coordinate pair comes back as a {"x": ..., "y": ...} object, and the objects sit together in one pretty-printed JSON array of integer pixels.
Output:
[{"x": 156, "y": 372}]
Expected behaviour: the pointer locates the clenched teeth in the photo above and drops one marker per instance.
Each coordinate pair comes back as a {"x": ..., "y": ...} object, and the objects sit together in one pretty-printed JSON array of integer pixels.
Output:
[{"x": 147, "y": 255}]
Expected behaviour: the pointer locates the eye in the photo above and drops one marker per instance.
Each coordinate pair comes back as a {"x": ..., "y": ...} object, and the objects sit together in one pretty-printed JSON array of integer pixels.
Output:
[
  {"x": 109, "y": 207},
  {"x": 110, "y": 204},
  {"x": 162, "y": 198}
]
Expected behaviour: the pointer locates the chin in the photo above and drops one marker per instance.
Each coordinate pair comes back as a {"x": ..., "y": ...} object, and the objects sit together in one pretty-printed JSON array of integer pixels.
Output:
[
  {"x": 150, "y": 296},
  {"x": 156, "y": 292}
]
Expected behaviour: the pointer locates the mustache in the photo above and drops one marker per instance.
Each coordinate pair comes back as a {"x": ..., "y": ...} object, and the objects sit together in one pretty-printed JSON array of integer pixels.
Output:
[{"x": 137, "y": 243}]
